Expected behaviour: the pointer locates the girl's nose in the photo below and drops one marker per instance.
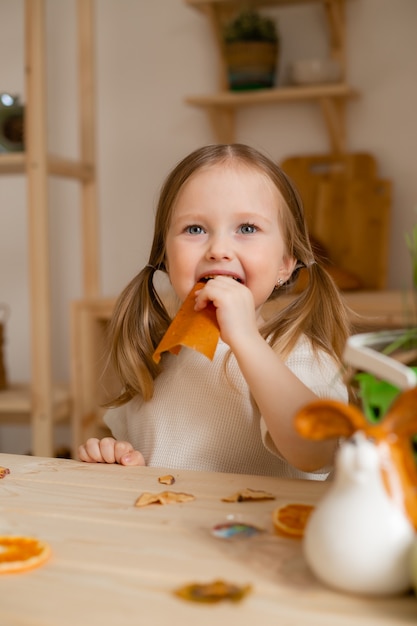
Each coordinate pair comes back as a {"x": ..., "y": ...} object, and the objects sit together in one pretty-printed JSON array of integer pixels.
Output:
[{"x": 219, "y": 247}]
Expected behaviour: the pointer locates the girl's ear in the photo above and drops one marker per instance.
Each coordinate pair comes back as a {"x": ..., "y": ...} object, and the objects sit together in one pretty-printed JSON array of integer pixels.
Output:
[{"x": 286, "y": 269}]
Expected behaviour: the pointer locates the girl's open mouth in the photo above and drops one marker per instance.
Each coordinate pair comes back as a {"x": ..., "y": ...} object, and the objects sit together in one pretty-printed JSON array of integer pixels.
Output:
[{"x": 205, "y": 279}]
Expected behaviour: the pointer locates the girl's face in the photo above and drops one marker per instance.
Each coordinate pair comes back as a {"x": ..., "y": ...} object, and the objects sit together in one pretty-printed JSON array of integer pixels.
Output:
[{"x": 226, "y": 221}]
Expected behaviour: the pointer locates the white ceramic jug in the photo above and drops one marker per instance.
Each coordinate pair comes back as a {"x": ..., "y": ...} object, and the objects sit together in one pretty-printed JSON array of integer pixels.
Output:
[{"x": 359, "y": 538}]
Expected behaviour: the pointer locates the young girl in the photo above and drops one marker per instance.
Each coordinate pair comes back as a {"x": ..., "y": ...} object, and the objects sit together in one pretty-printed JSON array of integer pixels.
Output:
[{"x": 227, "y": 214}]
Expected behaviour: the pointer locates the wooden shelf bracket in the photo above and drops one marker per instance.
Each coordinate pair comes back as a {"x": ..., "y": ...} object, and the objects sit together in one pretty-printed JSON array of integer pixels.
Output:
[{"x": 334, "y": 116}]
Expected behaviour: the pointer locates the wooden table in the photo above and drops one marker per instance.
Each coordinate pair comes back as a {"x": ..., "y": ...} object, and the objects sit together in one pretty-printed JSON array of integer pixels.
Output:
[{"x": 113, "y": 563}]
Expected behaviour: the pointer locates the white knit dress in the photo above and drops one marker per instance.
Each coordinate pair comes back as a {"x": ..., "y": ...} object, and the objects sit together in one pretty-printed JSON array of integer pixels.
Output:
[{"x": 202, "y": 416}]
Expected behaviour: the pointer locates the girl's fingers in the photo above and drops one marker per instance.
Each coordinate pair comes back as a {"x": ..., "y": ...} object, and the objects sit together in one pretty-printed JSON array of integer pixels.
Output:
[
  {"x": 132, "y": 458},
  {"x": 108, "y": 450},
  {"x": 90, "y": 451}
]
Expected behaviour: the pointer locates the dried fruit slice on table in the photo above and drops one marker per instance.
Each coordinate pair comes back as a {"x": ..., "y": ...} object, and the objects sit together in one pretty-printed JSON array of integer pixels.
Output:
[
  {"x": 164, "y": 497},
  {"x": 167, "y": 479},
  {"x": 290, "y": 520},
  {"x": 18, "y": 554},
  {"x": 213, "y": 592},
  {"x": 245, "y": 495},
  {"x": 4, "y": 471}
]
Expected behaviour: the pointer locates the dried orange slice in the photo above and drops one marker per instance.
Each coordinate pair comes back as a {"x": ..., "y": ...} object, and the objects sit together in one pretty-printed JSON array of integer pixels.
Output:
[
  {"x": 4, "y": 471},
  {"x": 290, "y": 520},
  {"x": 18, "y": 554},
  {"x": 198, "y": 330}
]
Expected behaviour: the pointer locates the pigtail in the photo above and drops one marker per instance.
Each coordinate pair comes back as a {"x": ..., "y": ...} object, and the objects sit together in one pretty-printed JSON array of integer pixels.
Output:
[
  {"x": 139, "y": 321},
  {"x": 327, "y": 321},
  {"x": 317, "y": 312}
]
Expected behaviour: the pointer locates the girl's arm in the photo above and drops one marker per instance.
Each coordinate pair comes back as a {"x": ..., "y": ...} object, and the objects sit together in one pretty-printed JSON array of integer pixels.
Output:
[
  {"x": 279, "y": 395},
  {"x": 278, "y": 392}
]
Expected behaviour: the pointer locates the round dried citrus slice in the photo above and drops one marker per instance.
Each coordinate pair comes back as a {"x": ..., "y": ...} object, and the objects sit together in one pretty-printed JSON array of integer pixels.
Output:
[
  {"x": 18, "y": 554},
  {"x": 290, "y": 520}
]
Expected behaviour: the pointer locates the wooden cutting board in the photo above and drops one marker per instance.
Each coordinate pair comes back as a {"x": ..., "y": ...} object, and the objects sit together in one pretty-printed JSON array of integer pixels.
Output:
[
  {"x": 347, "y": 209},
  {"x": 307, "y": 172},
  {"x": 352, "y": 220},
  {"x": 352, "y": 165}
]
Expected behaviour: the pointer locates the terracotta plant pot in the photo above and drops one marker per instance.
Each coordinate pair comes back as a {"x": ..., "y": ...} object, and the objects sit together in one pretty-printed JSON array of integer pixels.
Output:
[{"x": 251, "y": 64}]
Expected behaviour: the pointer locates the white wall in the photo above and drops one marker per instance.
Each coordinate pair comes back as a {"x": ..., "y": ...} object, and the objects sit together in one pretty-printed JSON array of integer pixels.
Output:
[{"x": 151, "y": 54}]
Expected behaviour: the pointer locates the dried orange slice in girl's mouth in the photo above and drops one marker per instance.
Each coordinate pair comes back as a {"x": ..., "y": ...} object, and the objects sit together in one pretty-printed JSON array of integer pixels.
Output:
[
  {"x": 290, "y": 520},
  {"x": 198, "y": 330},
  {"x": 18, "y": 554}
]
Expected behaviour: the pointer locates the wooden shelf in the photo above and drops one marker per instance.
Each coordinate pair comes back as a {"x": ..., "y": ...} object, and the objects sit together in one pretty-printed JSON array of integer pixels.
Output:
[
  {"x": 333, "y": 9},
  {"x": 16, "y": 163},
  {"x": 16, "y": 402},
  {"x": 92, "y": 382},
  {"x": 43, "y": 402},
  {"x": 236, "y": 99},
  {"x": 370, "y": 310},
  {"x": 221, "y": 107},
  {"x": 13, "y": 163},
  {"x": 202, "y": 4}
]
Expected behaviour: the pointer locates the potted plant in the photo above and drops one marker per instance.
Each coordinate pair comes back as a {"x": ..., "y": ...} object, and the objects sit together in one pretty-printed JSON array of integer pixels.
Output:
[
  {"x": 386, "y": 360},
  {"x": 251, "y": 46}
]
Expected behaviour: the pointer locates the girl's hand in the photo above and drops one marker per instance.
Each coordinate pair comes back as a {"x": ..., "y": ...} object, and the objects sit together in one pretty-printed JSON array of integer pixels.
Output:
[
  {"x": 235, "y": 308},
  {"x": 108, "y": 450}
]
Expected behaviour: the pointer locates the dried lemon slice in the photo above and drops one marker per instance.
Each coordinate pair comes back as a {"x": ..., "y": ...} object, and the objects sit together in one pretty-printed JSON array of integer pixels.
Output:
[
  {"x": 290, "y": 520},
  {"x": 18, "y": 554}
]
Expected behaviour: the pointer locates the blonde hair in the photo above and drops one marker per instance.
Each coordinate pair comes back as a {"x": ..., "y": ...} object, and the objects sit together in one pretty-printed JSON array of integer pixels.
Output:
[{"x": 140, "y": 318}]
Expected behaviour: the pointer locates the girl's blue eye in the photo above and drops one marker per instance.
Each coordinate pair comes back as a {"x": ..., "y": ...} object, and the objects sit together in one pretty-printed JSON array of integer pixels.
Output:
[
  {"x": 248, "y": 229},
  {"x": 195, "y": 229}
]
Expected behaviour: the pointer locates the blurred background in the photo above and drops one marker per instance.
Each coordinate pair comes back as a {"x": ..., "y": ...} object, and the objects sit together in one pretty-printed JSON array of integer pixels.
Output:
[{"x": 151, "y": 55}]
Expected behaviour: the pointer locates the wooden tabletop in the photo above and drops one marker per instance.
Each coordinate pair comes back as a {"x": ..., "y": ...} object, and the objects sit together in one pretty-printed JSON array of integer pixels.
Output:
[{"x": 113, "y": 563}]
